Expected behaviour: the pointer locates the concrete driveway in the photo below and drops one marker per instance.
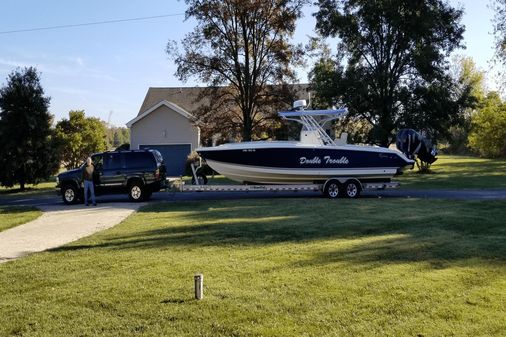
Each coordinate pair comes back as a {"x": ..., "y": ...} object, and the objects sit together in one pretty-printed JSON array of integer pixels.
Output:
[{"x": 60, "y": 224}]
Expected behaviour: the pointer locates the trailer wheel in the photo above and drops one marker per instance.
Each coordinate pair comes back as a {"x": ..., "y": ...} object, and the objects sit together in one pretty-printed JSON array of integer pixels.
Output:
[
  {"x": 331, "y": 189},
  {"x": 351, "y": 189}
]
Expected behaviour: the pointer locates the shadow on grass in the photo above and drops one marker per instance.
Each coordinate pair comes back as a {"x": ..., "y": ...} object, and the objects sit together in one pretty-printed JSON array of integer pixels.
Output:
[{"x": 391, "y": 231}]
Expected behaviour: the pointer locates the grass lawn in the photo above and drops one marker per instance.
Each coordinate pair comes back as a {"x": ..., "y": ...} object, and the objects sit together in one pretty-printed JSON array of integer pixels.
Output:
[
  {"x": 44, "y": 187},
  {"x": 284, "y": 267},
  {"x": 11, "y": 216},
  {"x": 454, "y": 172}
]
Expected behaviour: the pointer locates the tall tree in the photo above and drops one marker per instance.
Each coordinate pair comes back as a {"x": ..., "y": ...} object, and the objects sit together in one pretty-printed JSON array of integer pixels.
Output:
[
  {"x": 470, "y": 83},
  {"x": 396, "y": 53},
  {"x": 79, "y": 136},
  {"x": 499, "y": 21},
  {"x": 241, "y": 49},
  {"x": 26, "y": 144}
]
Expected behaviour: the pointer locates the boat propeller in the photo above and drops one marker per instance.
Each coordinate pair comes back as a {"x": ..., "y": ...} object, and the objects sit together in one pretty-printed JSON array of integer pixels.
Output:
[{"x": 413, "y": 144}]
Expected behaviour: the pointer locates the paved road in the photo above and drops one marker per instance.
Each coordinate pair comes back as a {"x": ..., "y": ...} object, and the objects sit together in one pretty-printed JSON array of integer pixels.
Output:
[{"x": 48, "y": 199}]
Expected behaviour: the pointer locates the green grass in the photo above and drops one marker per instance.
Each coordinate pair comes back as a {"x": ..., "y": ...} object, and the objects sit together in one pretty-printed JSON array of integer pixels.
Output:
[
  {"x": 277, "y": 267},
  {"x": 43, "y": 187},
  {"x": 456, "y": 172},
  {"x": 11, "y": 216}
]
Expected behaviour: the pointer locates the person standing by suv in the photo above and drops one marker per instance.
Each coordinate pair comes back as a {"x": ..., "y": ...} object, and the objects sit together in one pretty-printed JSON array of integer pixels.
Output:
[{"x": 88, "y": 170}]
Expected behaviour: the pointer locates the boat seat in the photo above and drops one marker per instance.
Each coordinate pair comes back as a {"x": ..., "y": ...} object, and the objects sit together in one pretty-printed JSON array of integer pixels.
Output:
[{"x": 343, "y": 140}]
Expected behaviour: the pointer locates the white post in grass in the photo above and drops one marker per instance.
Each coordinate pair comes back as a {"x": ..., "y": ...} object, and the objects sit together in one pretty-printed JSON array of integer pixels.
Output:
[{"x": 199, "y": 286}]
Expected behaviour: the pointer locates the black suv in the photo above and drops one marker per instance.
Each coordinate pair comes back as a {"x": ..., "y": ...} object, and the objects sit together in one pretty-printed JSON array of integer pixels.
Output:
[{"x": 138, "y": 173}]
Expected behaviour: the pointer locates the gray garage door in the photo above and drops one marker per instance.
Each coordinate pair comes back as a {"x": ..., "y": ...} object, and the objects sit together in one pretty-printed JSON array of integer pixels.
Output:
[{"x": 174, "y": 157}]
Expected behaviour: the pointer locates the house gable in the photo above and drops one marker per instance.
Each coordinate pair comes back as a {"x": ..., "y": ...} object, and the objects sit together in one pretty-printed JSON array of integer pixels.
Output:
[{"x": 166, "y": 103}]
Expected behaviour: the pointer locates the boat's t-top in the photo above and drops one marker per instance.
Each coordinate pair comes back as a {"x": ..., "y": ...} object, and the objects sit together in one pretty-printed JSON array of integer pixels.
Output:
[{"x": 313, "y": 122}]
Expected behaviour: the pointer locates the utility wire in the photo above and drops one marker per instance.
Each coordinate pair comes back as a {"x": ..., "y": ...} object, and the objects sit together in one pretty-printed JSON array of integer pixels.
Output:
[{"x": 89, "y": 24}]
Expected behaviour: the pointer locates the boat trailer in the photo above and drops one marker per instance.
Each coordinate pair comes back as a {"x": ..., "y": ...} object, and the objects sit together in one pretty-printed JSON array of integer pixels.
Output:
[{"x": 343, "y": 187}]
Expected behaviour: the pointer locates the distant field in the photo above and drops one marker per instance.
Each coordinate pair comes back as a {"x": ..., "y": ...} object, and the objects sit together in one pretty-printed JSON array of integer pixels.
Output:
[
  {"x": 284, "y": 267},
  {"x": 11, "y": 216},
  {"x": 454, "y": 172}
]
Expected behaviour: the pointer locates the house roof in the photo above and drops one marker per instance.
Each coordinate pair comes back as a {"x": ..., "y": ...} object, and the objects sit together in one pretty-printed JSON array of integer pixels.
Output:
[
  {"x": 187, "y": 97},
  {"x": 166, "y": 103}
]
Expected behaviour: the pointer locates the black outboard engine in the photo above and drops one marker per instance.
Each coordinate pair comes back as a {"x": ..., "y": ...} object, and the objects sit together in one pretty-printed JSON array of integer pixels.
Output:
[{"x": 412, "y": 144}]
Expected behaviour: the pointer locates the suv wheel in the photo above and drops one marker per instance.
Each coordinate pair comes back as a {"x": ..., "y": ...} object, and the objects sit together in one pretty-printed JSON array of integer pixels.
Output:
[
  {"x": 136, "y": 191},
  {"x": 69, "y": 194}
]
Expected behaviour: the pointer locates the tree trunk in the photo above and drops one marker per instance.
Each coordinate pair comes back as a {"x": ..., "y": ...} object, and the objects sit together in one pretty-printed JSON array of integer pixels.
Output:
[
  {"x": 246, "y": 133},
  {"x": 22, "y": 178},
  {"x": 246, "y": 130}
]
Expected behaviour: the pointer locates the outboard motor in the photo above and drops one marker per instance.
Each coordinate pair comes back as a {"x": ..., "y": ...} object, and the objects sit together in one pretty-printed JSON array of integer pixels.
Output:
[{"x": 412, "y": 144}]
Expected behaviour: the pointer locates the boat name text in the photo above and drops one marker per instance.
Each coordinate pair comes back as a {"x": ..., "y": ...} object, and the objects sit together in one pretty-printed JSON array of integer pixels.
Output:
[{"x": 326, "y": 160}]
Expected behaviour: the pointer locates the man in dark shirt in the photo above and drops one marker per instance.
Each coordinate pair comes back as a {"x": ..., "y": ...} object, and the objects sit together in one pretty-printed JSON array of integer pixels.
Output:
[{"x": 88, "y": 169}]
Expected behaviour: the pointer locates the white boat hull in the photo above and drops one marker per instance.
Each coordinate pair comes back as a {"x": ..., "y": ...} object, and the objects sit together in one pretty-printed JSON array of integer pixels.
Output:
[{"x": 270, "y": 175}]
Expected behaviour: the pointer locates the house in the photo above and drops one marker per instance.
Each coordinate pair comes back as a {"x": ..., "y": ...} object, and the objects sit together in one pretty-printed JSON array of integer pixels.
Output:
[{"x": 164, "y": 123}]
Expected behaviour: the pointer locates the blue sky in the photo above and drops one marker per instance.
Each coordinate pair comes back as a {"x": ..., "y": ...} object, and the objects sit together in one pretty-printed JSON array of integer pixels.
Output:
[{"x": 108, "y": 68}]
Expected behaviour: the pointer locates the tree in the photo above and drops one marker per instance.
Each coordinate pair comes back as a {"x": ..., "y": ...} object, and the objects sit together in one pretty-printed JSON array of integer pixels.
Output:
[
  {"x": 78, "y": 137},
  {"x": 396, "y": 54},
  {"x": 471, "y": 82},
  {"x": 488, "y": 128},
  {"x": 115, "y": 136},
  {"x": 499, "y": 21},
  {"x": 27, "y": 154},
  {"x": 241, "y": 49}
]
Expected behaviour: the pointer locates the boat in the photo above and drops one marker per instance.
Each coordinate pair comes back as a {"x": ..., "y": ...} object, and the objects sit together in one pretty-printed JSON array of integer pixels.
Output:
[{"x": 314, "y": 159}]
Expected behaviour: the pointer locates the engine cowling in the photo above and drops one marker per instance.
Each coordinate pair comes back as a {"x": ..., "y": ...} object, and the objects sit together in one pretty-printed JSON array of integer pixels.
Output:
[{"x": 413, "y": 144}]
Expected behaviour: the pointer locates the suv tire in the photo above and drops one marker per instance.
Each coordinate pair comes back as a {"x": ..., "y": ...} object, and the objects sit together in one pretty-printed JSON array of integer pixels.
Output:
[
  {"x": 69, "y": 194},
  {"x": 136, "y": 191}
]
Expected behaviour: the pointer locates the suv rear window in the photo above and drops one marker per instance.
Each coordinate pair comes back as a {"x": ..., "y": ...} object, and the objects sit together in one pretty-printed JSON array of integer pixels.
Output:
[
  {"x": 139, "y": 159},
  {"x": 113, "y": 161}
]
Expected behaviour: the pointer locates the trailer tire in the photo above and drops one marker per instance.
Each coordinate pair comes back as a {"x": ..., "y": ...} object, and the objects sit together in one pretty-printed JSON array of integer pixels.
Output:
[
  {"x": 351, "y": 189},
  {"x": 331, "y": 188}
]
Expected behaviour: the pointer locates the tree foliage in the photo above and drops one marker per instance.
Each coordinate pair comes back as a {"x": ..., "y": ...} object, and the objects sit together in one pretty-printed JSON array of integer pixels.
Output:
[
  {"x": 116, "y": 136},
  {"x": 78, "y": 137},
  {"x": 241, "y": 49},
  {"x": 396, "y": 63},
  {"x": 470, "y": 81},
  {"x": 499, "y": 7},
  {"x": 488, "y": 128},
  {"x": 27, "y": 152}
]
